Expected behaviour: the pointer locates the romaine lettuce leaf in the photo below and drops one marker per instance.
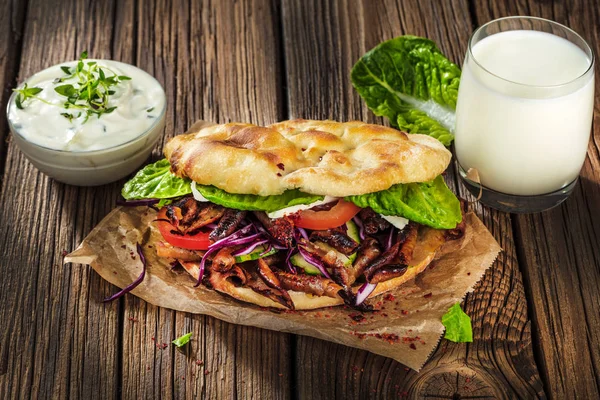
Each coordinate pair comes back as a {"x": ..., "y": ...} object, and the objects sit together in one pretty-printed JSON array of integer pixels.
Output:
[
  {"x": 155, "y": 181},
  {"x": 409, "y": 81},
  {"x": 254, "y": 202},
  {"x": 458, "y": 325},
  {"x": 428, "y": 203}
]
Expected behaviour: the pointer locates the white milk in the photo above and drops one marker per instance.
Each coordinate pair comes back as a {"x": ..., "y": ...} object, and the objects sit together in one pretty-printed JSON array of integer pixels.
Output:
[{"x": 523, "y": 139}]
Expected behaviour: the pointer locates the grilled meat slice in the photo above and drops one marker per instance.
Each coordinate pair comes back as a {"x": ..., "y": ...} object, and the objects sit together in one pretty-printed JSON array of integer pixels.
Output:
[
  {"x": 367, "y": 253},
  {"x": 388, "y": 272},
  {"x": 267, "y": 274},
  {"x": 256, "y": 283},
  {"x": 316, "y": 285},
  {"x": 372, "y": 222},
  {"x": 207, "y": 215},
  {"x": 227, "y": 224},
  {"x": 235, "y": 275},
  {"x": 331, "y": 260},
  {"x": 282, "y": 229},
  {"x": 409, "y": 240},
  {"x": 189, "y": 215},
  {"x": 385, "y": 259},
  {"x": 223, "y": 260},
  {"x": 336, "y": 239},
  {"x": 168, "y": 251}
]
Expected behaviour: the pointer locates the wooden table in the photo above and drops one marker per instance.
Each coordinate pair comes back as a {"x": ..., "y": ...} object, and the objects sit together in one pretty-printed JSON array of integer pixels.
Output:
[{"x": 536, "y": 314}]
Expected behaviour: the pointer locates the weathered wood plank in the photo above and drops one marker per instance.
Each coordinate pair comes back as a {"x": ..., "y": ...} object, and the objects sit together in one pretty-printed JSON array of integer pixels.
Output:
[
  {"x": 322, "y": 41},
  {"x": 11, "y": 30},
  {"x": 218, "y": 61},
  {"x": 560, "y": 249},
  {"x": 60, "y": 341}
]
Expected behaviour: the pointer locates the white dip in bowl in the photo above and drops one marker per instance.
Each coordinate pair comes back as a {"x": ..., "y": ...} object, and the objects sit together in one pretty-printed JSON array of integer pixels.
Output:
[{"x": 73, "y": 147}]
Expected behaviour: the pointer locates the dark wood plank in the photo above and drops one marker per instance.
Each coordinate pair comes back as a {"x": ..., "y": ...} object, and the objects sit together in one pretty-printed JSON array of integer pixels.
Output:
[
  {"x": 11, "y": 27},
  {"x": 61, "y": 342},
  {"x": 218, "y": 61},
  {"x": 560, "y": 249},
  {"x": 322, "y": 41}
]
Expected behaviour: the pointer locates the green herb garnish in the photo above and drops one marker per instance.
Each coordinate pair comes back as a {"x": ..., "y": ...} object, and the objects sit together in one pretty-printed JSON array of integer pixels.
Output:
[
  {"x": 88, "y": 96},
  {"x": 182, "y": 340},
  {"x": 24, "y": 94},
  {"x": 91, "y": 92}
]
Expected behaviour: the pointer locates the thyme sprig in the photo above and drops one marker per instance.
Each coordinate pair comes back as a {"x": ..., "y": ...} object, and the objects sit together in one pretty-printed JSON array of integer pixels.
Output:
[{"x": 88, "y": 95}]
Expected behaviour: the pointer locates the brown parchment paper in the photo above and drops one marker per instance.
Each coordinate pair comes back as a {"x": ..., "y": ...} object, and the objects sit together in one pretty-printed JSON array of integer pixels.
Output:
[{"x": 406, "y": 326}]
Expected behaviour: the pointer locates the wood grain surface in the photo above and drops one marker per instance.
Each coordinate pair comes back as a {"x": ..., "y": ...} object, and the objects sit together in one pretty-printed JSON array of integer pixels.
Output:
[
  {"x": 535, "y": 314},
  {"x": 560, "y": 249}
]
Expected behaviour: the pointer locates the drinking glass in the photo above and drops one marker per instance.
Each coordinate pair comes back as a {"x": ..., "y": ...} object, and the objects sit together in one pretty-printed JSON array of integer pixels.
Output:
[{"x": 524, "y": 113}]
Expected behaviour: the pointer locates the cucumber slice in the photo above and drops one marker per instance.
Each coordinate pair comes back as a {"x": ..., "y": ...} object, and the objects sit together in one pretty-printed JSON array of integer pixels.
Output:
[
  {"x": 259, "y": 252},
  {"x": 353, "y": 233},
  {"x": 300, "y": 262}
]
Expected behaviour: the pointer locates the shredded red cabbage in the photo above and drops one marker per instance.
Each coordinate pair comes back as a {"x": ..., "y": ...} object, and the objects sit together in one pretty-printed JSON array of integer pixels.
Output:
[
  {"x": 302, "y": 232},
  {"x": 364, "y": 291},
  {"x": 250, "y": 249},
  {"x": 134, "y": 284},
  {"x": 313, "y": 260},
  {"x": 390, "y": 239},
  {"x": 290, "y": 266},
  {"x": 361, "y": 227}
]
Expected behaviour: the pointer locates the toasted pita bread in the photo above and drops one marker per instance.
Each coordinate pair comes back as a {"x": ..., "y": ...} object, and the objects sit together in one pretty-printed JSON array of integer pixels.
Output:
[
  {"x": 428, "y": 242},
  {"x": 317, "y": 157}
]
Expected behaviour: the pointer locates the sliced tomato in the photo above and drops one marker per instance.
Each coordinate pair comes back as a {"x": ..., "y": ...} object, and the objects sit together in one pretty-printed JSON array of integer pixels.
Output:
[
  {"x": 338, "y": 215},
  {"x": 199, "y": 241}
]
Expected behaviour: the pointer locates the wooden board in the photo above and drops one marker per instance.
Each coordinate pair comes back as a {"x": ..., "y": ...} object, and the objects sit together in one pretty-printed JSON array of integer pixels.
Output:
[
  {"x": 208, "y": 56},
  {"x": 559, "y": 249},
  {"x": 500, "y": 362}
]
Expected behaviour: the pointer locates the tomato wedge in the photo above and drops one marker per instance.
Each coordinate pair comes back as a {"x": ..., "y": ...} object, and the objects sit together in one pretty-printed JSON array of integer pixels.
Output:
[
  {"x": 338, "y": 215},
  {"x": 199, "y": 241}
]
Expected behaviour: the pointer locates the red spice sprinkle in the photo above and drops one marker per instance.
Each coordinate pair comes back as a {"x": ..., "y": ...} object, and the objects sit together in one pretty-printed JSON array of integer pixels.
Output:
[
  {"x": 303, "y": 149},
  {"x": 199, "y": 362},
  {"x": 280, "y": 374},
  {"x": 467, "y": 380},
  {"x": 64, "y": 253},
  {"x": 279, "y": 174},
  {"x": 183, "y": 378},
  {"x": 357, "y": 317},
  {"x": 389, "y": 297},
  {"x": 281, "y": 166},
  {"x": 132, "y": 319},
  {"x": 428, "y": 295},
  {"x": 206, "y": 372},
  {"x": 148, "y": 368},
  {"x": 123, "y": 247},
  {"x": 406, "y": 369},
  {"x": 412, "y": 346},
  {"x": 468, "y": 273},
  {"x": 115, "y": 272},
  {"x": 153, "y": 338},
  {"x": 404, "y": 312}
]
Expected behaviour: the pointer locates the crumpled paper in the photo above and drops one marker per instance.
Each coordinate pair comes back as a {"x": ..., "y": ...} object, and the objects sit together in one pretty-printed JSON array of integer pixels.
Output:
[{"x": 406, "y": 325}]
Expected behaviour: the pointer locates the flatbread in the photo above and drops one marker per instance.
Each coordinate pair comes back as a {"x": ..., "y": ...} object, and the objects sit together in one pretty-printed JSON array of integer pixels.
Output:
[
  {"x": 428, "y": 242},
  {"x": 318, "y": 157}
]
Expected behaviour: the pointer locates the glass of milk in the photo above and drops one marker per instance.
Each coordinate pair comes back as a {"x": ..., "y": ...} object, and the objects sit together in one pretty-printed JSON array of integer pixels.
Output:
[{"x": 524, "y": 113}]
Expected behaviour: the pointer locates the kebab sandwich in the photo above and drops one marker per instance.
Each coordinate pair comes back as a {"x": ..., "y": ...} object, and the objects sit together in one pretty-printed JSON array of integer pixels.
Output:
[{"x": 300, "y": 214}]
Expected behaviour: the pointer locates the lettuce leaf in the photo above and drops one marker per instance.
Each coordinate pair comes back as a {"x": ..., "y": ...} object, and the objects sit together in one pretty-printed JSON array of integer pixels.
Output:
[
  {"x": 409, "y": 81},
  {"x": 458, "y": 325},
  {"x": 428, "y": 203},
  {"x": 155, "y": 181},
  {"x": 254, "y": 202}
]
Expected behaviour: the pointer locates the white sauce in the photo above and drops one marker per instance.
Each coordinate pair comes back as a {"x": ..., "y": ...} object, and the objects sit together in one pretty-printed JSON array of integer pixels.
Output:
[
  {"x": 290, "y": 210},
  {"x": 398, "y": 222},
  {"x": 43, "y": 124}
]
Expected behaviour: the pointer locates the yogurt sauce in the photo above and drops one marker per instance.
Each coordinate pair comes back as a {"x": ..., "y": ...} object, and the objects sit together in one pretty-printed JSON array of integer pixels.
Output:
[{"x": 139, "y": 102}]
